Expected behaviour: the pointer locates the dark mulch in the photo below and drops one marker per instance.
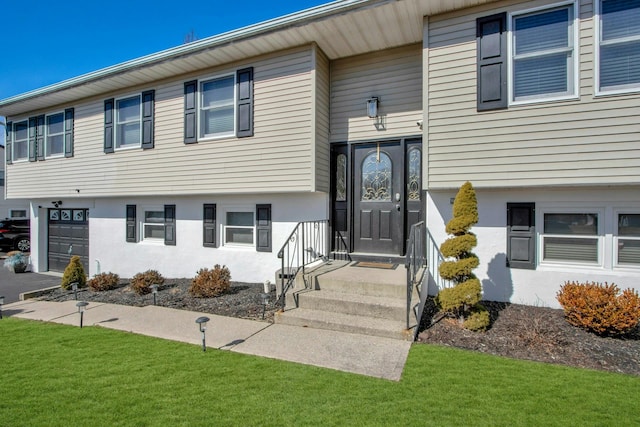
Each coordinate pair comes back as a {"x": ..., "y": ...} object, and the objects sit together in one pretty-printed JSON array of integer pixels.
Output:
[
  {"x": 535, "y": 333},
  {"x": 517, "y": 331},
  {"x": 243, "y": 300}
]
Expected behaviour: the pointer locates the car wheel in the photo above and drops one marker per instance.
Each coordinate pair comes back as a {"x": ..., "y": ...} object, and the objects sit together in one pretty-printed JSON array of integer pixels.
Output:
[{"x": 23, "y": 244}]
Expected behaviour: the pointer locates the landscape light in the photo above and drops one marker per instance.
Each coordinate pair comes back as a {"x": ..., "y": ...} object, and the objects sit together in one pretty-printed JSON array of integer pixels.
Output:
[
  {"x": 202, "y": 324},
  {"x": 82, "y": 305}
]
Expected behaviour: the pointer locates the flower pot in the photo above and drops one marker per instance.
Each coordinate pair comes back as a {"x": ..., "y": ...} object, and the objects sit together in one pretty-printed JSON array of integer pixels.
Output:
[{"x": 19, "y": 268}]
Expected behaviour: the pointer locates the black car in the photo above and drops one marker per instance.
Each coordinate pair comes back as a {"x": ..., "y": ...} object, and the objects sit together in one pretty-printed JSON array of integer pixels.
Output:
[{"x": 15, "y": 235}]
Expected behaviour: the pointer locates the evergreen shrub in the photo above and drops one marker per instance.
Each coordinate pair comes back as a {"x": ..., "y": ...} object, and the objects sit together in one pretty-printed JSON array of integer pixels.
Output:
[
  {"x": 462, "y": 300},
  {"x": 74, "y": 273}
]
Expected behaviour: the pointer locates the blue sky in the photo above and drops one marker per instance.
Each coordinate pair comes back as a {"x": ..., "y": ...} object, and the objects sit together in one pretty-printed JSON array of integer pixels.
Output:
[{"x": 45, "y": 42}]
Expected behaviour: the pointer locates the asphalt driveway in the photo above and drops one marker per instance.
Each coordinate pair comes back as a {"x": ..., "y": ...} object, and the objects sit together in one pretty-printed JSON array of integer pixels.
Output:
[{"x": 13, "y": 284}]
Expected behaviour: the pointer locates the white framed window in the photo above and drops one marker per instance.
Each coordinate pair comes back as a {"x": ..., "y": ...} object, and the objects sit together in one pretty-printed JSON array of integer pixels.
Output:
[
  {"x": 20, "y": 147},
  {"x": 627, "y": 239},
  {"x": 543, "y": 54},
  {"x": 217, "y": 115},
  {"x": 54, "y": 131},
  {"x": 618, "y": 46},
  {"x": 17, "y": 213},
  {"x": 128, "y": 122},
  {"x": 239, "y": 227},
  {"x": 153, "y": 224},
  {"x": 572, "y": 237}
]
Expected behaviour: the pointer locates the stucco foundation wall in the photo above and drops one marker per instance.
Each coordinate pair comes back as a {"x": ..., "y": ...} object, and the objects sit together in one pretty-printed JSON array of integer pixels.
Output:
[
  {"x": 109, "y": 251},
  {"x": 539, "y": 286}
]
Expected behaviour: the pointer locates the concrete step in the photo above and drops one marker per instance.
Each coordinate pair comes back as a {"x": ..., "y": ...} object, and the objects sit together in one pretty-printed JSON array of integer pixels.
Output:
[
  {"x": 362, "y": 285},
  {"x": 348, "y": 303},
  {"x": 344, "y": 323}
]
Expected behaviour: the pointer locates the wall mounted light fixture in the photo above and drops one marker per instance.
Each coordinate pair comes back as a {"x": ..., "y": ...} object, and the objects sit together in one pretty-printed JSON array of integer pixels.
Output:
[{"x": 372, "y": 107}]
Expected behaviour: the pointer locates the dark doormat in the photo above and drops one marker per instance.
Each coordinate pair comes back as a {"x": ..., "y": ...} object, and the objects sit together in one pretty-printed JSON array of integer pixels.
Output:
[{"x": 370, "y": 264}]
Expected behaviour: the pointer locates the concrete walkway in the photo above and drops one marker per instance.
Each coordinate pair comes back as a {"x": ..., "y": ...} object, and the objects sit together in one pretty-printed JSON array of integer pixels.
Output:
[{"x": 372, "y": 356}]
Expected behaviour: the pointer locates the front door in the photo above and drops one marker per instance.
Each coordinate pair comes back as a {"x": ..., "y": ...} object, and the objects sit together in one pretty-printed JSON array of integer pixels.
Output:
[{"x": 378, "y": 190}]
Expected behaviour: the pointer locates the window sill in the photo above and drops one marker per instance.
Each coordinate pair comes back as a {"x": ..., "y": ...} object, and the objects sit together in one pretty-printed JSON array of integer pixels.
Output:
[
  {"x": 616, "y": 93},
  {"x": 232, "y": 246},
  {"x": 217, "y": 137},
  {"x": 551, "y": 100},
  {"x": 132, "y": 147},
  {"x": 152, "y": 242}
]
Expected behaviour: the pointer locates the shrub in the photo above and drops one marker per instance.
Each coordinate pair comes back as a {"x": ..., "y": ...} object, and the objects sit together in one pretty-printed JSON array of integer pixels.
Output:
[
  {"x": 210, "y": 283},
  {"x": 478, "y": 320},
  {"x": 600, "y": 308},
  {"x": 141, "y": 282},
  {"x": 104, "y": 282},
  {"x": 462, "y": 300},
  {"x": 74, "y": 273},
  {"x": 467, "y": 293}
]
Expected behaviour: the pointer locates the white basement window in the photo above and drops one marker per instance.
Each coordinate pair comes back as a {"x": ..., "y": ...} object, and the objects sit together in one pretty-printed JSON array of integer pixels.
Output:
[
  {"x": 571, "y": 238},
  {"x": 628, "y": 240},
  {"x": 153, "y": 225},
  {"x": 239, "y": 228}
]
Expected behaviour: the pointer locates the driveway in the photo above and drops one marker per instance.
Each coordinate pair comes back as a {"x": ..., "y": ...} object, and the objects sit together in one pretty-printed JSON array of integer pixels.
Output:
[{"x": 12, "y": 284}]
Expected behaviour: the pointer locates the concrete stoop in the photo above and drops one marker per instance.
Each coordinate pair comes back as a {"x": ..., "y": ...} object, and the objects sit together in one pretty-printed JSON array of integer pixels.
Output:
[{"x": 340, "y": 297}]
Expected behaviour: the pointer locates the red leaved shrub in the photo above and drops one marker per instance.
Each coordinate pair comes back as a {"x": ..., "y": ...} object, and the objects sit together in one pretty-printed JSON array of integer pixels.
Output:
[{"x": 600, "y": 308}]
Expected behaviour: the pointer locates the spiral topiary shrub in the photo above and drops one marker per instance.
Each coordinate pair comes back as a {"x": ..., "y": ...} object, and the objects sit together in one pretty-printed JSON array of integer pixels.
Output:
[
  {"x": 141, "y": 282},
  {"x": 462, "y": 300},
  {"x": 600, "y": 308},
  {"x": 104, "y": 282},
  {"x": 210, "y": 283},
  {"x": 74, "y": 273}
]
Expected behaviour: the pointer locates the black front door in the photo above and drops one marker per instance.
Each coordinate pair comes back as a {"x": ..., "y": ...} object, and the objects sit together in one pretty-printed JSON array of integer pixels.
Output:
[{"x": 378, "y": 190}]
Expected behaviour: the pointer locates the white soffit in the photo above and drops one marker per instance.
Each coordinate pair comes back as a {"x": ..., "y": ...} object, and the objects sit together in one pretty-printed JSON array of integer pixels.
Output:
[{"x": 340, "y": 29}]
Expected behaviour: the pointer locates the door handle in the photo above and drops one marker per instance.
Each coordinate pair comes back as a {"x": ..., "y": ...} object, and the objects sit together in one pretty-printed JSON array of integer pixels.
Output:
[
  {"x": 398, "y": 207},
  {"x": 70, "y": 251}
]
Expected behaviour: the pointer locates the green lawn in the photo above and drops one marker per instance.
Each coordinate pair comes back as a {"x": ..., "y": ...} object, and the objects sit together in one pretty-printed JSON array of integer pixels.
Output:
[{"x": 56, "y": 375}]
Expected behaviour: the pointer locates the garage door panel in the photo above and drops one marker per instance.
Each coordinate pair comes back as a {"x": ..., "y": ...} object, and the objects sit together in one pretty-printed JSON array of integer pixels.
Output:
[{"x": 67, "y": 237}]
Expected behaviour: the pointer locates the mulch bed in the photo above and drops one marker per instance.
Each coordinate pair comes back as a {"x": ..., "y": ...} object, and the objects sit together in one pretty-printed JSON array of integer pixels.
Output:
[
  {"x": 535, "y": 333},
  {"x": 242, "y": 300},
  {"x": 518, "y": 331}
]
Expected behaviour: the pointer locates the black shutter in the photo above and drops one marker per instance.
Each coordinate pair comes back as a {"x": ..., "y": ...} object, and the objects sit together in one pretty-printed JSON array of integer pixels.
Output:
[
  {"x": 131, "y": 223},
  {"x": 190, "y": 112},
  {"x": 148, "y": 101},
  {"x": 170, "y": 225},
  {"x": 491, "y": 44},
  {"x": 209, "y": 226},
  {"x": 245, "y": 102},
  {"x": 521, "y": 235},
  {"x": 263, "y": 228},
  {"x": 8, "y": 143},
  {"x": 108, "y": 125},
  {"x": 40, "y": 137},
  {"x": 32, "y": 135},
  {"x": 68, "y": 132}
]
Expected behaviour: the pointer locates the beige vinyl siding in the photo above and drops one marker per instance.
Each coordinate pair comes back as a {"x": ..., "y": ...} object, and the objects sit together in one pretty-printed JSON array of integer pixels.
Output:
[
  {"x": 321, "y": 117},
  {"x": 278, "y": 158},
  {"x": 395, "y": 76},
  {"x": 586, "y": 141}
]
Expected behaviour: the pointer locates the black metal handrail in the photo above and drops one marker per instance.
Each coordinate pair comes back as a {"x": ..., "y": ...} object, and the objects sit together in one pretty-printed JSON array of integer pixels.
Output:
[
  {"x": 307, "y": 243},
  {"x": 423, "y": 256},
  {"x": 415, "y": 262}
]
